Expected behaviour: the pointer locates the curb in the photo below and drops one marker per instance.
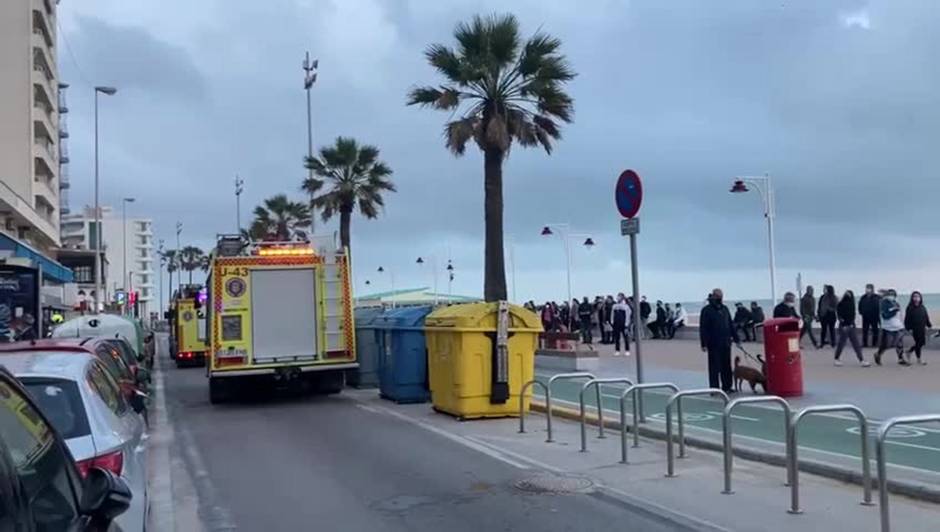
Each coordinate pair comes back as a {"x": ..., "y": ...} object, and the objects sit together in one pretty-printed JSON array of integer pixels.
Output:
[{"x": 915, "y": 490}]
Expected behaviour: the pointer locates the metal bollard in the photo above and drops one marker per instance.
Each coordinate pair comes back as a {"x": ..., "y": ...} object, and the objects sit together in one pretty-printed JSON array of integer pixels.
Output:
[
  {"x": 726, "y": 432},
  {"x": 882, "y": 466},
  {"x": 793, "y": 465},
  {"x": 633, "y": 390},
  {"x": 525, "y": 387},
  {"x": 600, "y": 410},
  {"x": 548, "y": 395},
  {"x": 677, "y": 400}
]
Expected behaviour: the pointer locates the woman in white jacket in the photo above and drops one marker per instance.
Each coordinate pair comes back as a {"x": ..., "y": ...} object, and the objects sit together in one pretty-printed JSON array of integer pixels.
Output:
[{"x": 678, "y": 321}]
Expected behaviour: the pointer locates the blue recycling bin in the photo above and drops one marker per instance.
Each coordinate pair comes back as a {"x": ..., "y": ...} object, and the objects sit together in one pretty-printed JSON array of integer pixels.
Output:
[
  {"x": 403, "y": 355},
  {"x": 367, "y": 349}
]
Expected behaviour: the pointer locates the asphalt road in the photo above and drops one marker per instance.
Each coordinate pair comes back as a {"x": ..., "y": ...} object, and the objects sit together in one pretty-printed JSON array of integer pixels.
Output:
[{"x": 282, "y": 462}]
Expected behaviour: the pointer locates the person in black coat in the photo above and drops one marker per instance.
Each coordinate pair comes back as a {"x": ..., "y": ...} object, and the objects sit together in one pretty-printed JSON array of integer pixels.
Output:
[
  {"x": 868, "y": 306},
  {"x": 716, "y": 333},
  {"x": 757, "y": 319},
  {"x": 787, "y": 307},
  {"x": 917, "y": 320},
  {"x": 845, "y": 310},
  {"x": 743, "y": 320},
  {"x": 585, "y": 312},
  {"x": 645, "y": 311}
]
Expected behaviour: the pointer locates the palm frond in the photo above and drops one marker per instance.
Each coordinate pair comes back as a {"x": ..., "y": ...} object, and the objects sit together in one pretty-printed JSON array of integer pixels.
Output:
[{"x": 458, "y": 132}]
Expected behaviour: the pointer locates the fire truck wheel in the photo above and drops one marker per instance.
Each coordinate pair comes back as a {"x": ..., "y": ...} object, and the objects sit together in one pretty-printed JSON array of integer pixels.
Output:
[{"x": 217, "y": 390}]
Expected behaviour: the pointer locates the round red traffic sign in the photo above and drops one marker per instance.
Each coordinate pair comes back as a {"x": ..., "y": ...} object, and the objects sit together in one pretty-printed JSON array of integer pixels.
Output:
[{"x": 628, "y": 194}]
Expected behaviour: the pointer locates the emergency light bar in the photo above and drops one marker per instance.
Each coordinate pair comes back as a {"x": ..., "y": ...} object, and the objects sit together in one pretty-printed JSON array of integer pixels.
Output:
[{"x": 285, "y": 251}]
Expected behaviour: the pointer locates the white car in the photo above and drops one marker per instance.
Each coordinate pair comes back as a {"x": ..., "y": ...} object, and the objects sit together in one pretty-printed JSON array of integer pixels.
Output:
[{"x": 84, "y": 404}]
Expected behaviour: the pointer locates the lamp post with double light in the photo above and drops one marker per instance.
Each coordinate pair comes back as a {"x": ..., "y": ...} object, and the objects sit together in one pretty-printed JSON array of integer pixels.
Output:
[
  {"x": 765, "y": 187},
  {"x": 99, "y": 286},
  {"x": 566, "y": 235}
]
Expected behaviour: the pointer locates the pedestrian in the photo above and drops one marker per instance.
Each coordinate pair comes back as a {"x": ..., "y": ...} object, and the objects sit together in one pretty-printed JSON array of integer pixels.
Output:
[
  {"x": 621, "y": 315},
  {"x": 679, "y": 321},
  {"x": 845, "y": 311},
  {"x": 716, "y": 333},
  {"x": 608, "y": 319},
  {"x": 645, "y": 311},
  {"x": 670, "y": 317},
  {"x": 585, "y": 312},
  {"x": 808, "y": 315},
  {"x": 570, "y": 317},
  {"x": 659, "y": 328},
  {"x": 757, "y": 319},
  {"x": 891, "y": 326},
  {"x": 868, "y": 308},
  {"x": 787, "y": 307},
  {"x": 917, "y": 320},
  {"x": 827, "y": 315},
  {"x": 548, "y": 317},
  {"x": 742, "y": 320}
]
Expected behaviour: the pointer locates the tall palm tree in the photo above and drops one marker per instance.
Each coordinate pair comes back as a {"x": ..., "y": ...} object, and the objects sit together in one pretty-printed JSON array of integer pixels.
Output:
[
  {"x": 501, "y": 90},
  {"x": 191, "y": 259},
  {"x": 171, "y": 259},
  {"x": 279, "y": 218},
  {"x": 355, "y": 176}
]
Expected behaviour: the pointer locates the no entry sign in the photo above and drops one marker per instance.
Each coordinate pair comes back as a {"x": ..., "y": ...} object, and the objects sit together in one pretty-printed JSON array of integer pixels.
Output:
[{"x": 628, "y": 194}]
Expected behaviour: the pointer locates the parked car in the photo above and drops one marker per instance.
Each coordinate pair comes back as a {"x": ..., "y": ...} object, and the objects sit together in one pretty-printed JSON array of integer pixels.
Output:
[
  {"x": 41, "y": 488},
  {"x": 104, "y": 348},
  {"x": 102, "y": 325}
]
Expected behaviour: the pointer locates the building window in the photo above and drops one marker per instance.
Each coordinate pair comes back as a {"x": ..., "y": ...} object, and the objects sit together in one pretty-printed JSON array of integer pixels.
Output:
[{"x": 83, "y": 274}]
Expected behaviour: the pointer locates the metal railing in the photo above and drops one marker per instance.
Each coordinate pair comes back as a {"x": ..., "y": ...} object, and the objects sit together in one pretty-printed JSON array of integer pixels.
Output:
[
  {"x": 793, "y": 464},
  {"x": 677, "y": 400},
  {"x": 525, "y": 388},
  {"x": 632, "y": 391},
  {"x": 596, "y": 383},
  {"x": 548, "y": 398},
  {"x": 882, "y": 466},
  {"x": 726, "y": 431}
]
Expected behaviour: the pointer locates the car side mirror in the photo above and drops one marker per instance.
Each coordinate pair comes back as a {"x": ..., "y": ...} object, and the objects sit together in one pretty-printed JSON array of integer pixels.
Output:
[{"x": 106, "y": 495}]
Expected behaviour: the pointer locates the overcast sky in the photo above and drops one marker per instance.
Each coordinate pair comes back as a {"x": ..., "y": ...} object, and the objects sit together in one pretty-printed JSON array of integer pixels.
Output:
[{"x": 838, "y": 100}]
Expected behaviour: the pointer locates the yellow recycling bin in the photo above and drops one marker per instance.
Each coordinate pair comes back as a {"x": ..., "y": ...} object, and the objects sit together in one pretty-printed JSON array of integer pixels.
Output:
[{"x": 479, "y": 357}]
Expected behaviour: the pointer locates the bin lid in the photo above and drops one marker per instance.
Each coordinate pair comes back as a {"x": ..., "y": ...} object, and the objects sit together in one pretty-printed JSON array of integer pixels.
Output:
[
  {"x": 366, "y": 316},
  {"x": 482, "y": 316},
  {"x": 403, "y": 317},
  {"x": 782, "y": 324}
]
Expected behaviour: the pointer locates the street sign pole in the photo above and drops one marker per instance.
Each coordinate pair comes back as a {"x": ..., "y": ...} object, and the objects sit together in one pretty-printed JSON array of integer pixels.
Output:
[{"x": 628, "y": 195}]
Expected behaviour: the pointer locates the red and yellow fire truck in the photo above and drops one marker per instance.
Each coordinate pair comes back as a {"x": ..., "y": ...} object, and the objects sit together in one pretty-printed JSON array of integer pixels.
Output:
[{"x": 278, "y": 310}]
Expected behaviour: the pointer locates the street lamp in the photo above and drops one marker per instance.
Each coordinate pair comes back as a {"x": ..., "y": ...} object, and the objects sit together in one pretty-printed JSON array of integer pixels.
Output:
[
  {"x": 765, "y": 187},
  {"x": 239, "y": 188},
  {"x": 125, "y": 280},
  {"x": 179, "y": 273},
  {"x": 420, "y": 262},
  {"x": 162, "y": 264},
  {"x": 564, "y": 231},
  {"x": 391, "y": 279},
  {"x": 450, "y": 279},
  {"x": 108, "y": 91}
]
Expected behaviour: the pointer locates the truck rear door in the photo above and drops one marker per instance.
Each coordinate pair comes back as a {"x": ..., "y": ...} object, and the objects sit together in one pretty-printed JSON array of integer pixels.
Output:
[{"x": 283, "y": 315}]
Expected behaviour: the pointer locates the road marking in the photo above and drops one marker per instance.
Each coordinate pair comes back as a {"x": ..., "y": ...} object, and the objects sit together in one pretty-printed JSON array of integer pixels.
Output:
[
  {"x": 491, "y": 452},
  {"x": 897, "y": 432},
  {"x": 734, "y": 416},
  {"x": 689, "y": 418}
]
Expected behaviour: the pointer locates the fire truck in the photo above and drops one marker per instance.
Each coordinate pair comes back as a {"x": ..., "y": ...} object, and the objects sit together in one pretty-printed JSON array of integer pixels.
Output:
[
  {"x": 278, "y": 311},
  {"x": 188, "y": 316}
]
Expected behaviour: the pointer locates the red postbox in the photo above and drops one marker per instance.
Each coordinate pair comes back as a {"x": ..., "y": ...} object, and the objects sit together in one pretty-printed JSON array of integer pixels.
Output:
[{"x": 784, "y": 363}]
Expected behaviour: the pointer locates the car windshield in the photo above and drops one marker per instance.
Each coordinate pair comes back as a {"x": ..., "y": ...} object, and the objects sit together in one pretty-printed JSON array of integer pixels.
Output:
[
  {"x": 62, "y": 403},
  {"x": 130, "y": 358}
]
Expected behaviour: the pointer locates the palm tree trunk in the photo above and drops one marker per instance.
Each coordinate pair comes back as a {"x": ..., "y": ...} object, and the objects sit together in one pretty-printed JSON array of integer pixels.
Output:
[
  {"x": 494, "y": 280},
  {"x": 190, "y": 276},
  {"x": 345, "y": 218}
]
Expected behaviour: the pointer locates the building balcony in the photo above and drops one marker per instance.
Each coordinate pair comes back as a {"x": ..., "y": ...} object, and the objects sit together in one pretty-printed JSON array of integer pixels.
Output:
[
  {"x": 44, "y": 159},
  {"x": 43, "y": 23},
  {"x": 43, "y": 188}
]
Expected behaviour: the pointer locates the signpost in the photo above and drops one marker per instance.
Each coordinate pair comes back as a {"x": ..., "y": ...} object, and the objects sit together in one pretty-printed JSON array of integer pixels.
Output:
[{"x": 628, "y": 195}]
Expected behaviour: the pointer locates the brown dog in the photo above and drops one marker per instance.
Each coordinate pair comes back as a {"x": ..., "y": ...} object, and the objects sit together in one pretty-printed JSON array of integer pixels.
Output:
[{"x": 749, "y": 374}]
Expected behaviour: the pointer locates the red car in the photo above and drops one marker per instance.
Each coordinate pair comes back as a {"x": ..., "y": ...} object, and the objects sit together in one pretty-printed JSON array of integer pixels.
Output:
[{"x": 130, "y": 379}]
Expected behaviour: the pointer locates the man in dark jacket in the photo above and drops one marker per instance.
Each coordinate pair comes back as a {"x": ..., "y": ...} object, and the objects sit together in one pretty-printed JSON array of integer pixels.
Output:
[
  {"x": 757, "y": 319},
  {"x": 717, "y": 332},
  {"x": 868, "y": 306},
  {"x": 645, "y": 311},
  {"x": 585, "y": 312},
  {"x": 787, "y": 307},
  {"x": 808, "y": 315},
  {"x": 742, "y": 320},
  {"x": 660, "y": 328}
]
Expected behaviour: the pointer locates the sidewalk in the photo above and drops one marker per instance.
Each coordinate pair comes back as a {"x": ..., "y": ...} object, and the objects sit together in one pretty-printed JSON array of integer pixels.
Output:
[
  {"x": 829, "y": 443},
  {"x": 693, "y": 500}
]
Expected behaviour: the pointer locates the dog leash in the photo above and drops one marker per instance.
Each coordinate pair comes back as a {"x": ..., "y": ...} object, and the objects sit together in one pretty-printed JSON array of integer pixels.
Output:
[{"x": 748, "y": 355}]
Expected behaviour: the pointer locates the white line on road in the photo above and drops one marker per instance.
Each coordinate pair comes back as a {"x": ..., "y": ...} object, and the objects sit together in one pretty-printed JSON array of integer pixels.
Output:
[
  {"x": 492, "y": 453},
  {"x": 733, "y": 416}
]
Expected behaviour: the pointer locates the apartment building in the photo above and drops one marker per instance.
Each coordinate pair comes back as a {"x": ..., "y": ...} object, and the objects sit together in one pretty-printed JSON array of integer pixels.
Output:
[
  {"x": 29, "y": 124},
  {"x": 78, "y": 234}
]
